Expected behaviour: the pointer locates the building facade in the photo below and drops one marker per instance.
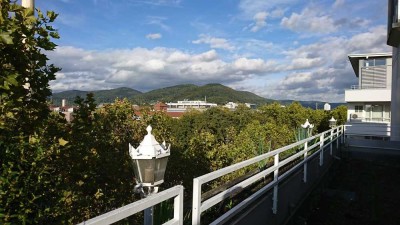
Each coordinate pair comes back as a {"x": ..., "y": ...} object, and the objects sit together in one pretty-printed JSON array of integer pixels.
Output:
[
  {"x": 369, "y": 101},
  {"x": 183, "y": 106}
]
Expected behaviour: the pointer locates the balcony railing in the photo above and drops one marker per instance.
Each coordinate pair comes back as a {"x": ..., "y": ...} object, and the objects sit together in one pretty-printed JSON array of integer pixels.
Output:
[
  {"x": 135, "y": 207},
  {"x": 307, "y": 149},
  {"x": 313, "y": 152}
]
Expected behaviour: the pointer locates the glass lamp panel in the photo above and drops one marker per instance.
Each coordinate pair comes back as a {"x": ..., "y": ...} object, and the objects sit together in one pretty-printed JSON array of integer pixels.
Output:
[
  {"x": 146, "y": 168},
  {"x": 136, "y": 170},
  {"x": 161, "y": 165}
]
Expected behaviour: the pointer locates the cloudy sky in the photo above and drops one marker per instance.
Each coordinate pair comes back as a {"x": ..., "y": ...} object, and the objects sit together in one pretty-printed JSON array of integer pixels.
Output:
[{"x": 280, "y": 49}]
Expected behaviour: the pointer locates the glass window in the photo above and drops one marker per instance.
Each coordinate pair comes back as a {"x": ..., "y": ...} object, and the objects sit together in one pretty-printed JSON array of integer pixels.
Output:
[
  {"x": 358, "y": 108},
  {"x": 380, "y": 62},
  {"x": 374, "y": 62}
]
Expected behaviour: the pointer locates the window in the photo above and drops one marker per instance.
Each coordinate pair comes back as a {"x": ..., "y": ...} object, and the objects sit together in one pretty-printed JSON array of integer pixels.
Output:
[
  {"x": 358, "y": 108},
  {"x": 374, "y": 62}
]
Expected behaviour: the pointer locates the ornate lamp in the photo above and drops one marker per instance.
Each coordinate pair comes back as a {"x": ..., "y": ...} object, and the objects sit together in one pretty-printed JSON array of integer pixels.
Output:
[
  {"x": 308, "y": 128},
  {"x": 332, "y": 122},
  {"x": 150, "y": 160}
]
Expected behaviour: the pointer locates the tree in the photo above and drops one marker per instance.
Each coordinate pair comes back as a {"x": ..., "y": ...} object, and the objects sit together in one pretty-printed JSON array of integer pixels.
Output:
[{"x": 30, "y": 141}]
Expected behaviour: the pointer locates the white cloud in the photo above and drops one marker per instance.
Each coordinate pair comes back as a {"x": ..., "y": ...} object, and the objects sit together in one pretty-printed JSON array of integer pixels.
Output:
[
  {"x": 338, "y": 3},
  {"x": 250, "y": 7},
  {"x": 214, "y": 42},
  {"x": 260, "y": 21},
  {"x": 321, "y": 70},
  {"x": 154, "y": 36},
  {"x": 158, "y": 21},
  {"x": 147, "y": 69},
  {"x": 311, "y": 21}
]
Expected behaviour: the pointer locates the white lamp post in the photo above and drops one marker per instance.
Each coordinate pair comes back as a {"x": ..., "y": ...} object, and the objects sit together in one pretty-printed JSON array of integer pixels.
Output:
[
  {"x": 150, "y": 162},
  {"x": 308, "y": 128},
  {"x": 332, "y": 122}
]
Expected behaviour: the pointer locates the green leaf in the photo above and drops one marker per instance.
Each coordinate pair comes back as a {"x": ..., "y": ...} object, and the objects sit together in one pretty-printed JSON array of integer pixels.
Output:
[
  {"x": 62, "y": 142},
  {"x": 5, "y": 38}
]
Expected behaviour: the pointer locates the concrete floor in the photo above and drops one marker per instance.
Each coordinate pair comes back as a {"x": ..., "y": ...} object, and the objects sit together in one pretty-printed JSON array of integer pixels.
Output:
[{"x": 363, "y": 188}]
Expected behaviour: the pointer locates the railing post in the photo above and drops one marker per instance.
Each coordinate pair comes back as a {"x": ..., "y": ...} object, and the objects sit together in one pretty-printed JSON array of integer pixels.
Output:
[
  {"x": 344, "y": 134},
  {"x": 196, "y": 210},
  {"x": 331, "y": 137},
  {"x": 148, "y": 216},
  {"x": 337, "y": 138},
  {"x": 178, "y": 207},
  {"x": 321, "y": 148},
  {"x": 305, "y": 162},
  {"x": 275, "y": 194}
]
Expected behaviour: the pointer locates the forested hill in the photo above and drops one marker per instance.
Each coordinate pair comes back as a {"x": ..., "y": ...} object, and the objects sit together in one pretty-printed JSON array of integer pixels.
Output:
[
  {"x": 216, "y": 93},
  {"x": 101, "y": 96}
]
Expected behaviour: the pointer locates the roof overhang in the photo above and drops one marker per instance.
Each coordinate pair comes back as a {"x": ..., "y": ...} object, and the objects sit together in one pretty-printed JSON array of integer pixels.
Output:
[{"x": 355, "y": 59}]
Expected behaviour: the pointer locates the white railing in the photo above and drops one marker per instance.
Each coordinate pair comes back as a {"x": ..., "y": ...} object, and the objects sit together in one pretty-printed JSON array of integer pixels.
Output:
[
  {"x": 355, "y": 87},
  {"x": 320, "y": 142},
  {"x": 138, "y": 206}
]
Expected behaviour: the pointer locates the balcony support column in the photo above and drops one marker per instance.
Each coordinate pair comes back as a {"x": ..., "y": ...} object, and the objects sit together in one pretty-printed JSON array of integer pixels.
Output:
[{"x": 395, "y": 106}]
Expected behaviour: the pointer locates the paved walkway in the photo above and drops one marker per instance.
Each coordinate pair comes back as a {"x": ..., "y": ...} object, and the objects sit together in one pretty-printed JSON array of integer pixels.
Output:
[{"x": 364, "y": 188}]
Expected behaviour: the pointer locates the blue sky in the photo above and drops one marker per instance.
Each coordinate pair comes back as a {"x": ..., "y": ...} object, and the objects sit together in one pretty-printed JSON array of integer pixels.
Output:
[{"x": 280, "y": 49}]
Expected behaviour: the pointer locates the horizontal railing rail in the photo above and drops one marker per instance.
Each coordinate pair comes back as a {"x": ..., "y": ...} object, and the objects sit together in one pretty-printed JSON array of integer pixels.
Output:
[
  {"x": 138, "y": 206},
  {"x": 371, "y": 128},
  {"x": 321, "y": 141}
]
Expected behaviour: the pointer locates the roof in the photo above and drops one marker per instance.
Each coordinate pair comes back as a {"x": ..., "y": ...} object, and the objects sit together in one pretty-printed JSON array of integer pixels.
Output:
[{"x": 355, "y": 58}]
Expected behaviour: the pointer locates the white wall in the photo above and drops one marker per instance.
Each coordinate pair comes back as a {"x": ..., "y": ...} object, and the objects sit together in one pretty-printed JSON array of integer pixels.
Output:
[{"x": 367, "y": 95}]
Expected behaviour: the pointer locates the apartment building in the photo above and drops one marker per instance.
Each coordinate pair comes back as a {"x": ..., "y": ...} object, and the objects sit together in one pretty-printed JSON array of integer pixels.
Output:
[{"x": 369, "y": 101}]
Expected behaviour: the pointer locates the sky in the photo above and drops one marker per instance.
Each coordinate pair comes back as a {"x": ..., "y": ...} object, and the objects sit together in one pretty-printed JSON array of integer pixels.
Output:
[{"x": 279, "y": 49}]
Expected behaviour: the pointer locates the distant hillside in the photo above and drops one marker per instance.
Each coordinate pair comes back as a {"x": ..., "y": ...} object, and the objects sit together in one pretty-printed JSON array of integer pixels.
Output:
[
  {"x": 312, "y": 104},
  {"x": 101, "y": 96},
  {"x": 216, "y": 93}
]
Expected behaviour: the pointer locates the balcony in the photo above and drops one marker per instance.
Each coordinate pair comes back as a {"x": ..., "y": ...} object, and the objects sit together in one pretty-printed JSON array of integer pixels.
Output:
[
  {"x": 358, "y": 94},
  {"x": 358, "y": 177}
]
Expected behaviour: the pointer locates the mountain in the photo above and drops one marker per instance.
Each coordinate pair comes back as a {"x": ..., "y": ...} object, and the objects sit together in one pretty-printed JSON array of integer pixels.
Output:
[
  {"x": 101, "y": 96},
  {"x": 216, "y": 93}
]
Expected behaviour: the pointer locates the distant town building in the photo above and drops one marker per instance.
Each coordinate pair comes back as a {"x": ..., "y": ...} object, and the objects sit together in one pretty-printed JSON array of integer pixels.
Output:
[
  {"x": 233, "y": 106},
  {"x": 183, "y": 106},
  {"x": 68, "y": 111},
  {"x": 327, "y": 107},
  {"x": 160, "y": 106}
]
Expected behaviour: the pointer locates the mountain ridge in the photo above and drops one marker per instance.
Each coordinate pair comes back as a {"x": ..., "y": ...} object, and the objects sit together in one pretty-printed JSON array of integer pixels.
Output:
[{"x": 213, "y": 92}]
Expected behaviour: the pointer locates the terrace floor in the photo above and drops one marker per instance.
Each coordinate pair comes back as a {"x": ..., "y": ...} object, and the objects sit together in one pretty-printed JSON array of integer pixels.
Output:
[{"x": 363, "y": 188}]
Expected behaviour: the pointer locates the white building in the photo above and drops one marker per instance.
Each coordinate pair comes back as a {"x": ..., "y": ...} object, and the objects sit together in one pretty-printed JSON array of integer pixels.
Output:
[
  {"x": 233, "y": 105},
  {"x": 182, "y": 106},
  {"x": 369, "y": 101}
]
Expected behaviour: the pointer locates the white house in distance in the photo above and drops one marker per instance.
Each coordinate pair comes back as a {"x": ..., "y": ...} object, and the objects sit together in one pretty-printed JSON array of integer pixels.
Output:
[
  {"x": 369, "y": 101},
  {"x": 182, "y": 106},
  {"x": 233, "y": 105}
]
